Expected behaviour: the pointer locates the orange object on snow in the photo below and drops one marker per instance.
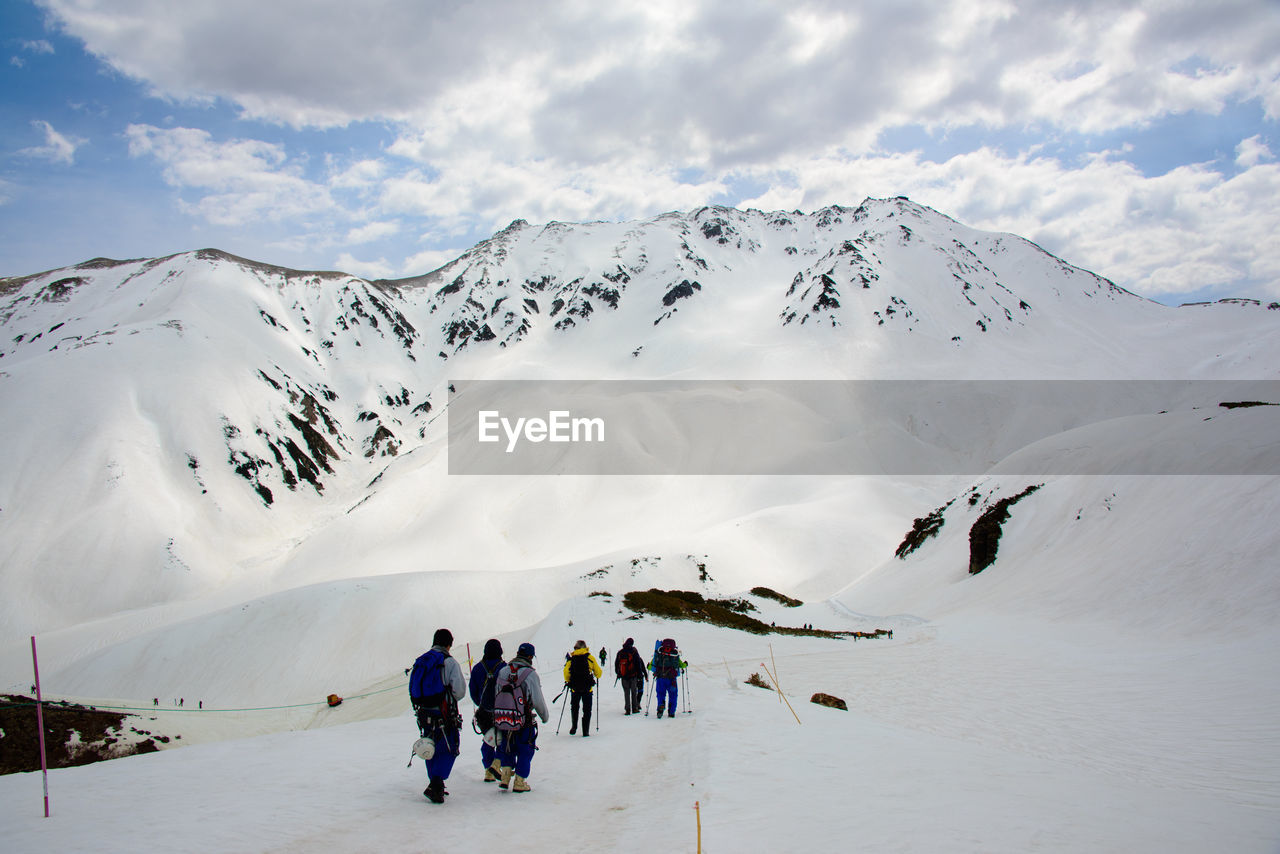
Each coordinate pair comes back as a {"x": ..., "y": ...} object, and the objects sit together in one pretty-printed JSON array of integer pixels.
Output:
[{"x": 335, "y": 700}]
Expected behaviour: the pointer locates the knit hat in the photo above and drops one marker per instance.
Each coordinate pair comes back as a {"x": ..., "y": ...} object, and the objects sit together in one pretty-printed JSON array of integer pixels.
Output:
[
  {"x": 630, "y": 642},
  {"x": 443, "y": 637},
  {"x": 525, "y": 650},
  {"x": 493, "y": 648}
]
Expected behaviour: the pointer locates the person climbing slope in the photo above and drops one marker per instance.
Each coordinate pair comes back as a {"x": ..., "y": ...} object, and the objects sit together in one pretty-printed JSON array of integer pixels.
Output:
[
  {"x": 581, "y": 672},
  {"x": 483, "y": 678},
  {"x": 629, "y": 667},
  {"x": 435, "y": 687},
  {"x": 666, "y": 667},
  {"x": 517, "y": 698}
]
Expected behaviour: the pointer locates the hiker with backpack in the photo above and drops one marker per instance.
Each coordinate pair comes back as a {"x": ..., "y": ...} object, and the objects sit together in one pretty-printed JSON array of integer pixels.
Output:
[
  {"x": 517, "y": 697},
  {"x": 628, "y": 666},
  {"x": 581, "y": 672},
  {"x": 483, "y": 680},
  {"x": 435, "y": 687},
  {"x": 667, "y": 667}
]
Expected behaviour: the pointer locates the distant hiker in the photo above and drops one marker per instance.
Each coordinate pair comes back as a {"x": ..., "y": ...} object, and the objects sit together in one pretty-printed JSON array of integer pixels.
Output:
[
  {"x": 628, "y": 666},
  {"x": 483, "y": 678},
  {"x": 604, "y": 657},
  {"x": 517, "y": 697},
  {"x": 435, "y": 687},
  {"x": 581, "y": 672},
  {"x": 667, "y": 667},
  {"x": 155, "y": 701}
]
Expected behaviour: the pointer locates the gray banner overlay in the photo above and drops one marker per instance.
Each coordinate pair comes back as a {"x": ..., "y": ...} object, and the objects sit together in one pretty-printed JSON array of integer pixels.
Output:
[{"x": 864, "y": 427}]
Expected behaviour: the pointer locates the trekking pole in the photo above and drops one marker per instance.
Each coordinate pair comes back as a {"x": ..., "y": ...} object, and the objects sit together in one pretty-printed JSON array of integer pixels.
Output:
[
  {"x": 688, "y": 695},
  {"x": 566, "y": 702},
  {"x": 649, "y": 696}
]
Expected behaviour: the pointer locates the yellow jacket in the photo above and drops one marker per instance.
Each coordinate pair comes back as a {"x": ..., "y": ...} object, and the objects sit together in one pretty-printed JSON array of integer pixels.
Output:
[{"x": 591, "y": 663}]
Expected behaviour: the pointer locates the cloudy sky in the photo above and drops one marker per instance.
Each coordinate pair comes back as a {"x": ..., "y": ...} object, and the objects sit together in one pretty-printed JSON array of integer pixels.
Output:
[{"x": 382, "y": 137}]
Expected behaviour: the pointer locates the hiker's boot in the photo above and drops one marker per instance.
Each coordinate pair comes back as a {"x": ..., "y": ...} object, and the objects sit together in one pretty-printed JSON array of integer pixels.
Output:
[
  {"x": 490, "y": 775},
  {"x": 520, "y": 784},
  {"x": 586, "y": 727},
  {"x": 504, "y": 779},
  {"x": 659, "y": 713},
  {"x": 434, "y": 791}
]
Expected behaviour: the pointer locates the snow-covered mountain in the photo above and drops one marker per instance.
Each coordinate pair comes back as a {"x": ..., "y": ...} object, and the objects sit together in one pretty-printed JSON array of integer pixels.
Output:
[
  {"x": 209, "y": 459},
  {"x": 197, "y": 431}
]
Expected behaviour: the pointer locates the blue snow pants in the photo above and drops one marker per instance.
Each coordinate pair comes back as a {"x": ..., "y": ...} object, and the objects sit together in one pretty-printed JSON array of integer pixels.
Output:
[
  {"x": 515, "y": 749},
  {"x": 666, "y": 688},
  {"x": 447, "y": 742}
]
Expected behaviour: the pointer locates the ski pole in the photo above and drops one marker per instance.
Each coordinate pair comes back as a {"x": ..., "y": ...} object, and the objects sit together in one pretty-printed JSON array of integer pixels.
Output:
[
  {"x": 566, "y": 702},
  {"x": 649, "y": 696}
]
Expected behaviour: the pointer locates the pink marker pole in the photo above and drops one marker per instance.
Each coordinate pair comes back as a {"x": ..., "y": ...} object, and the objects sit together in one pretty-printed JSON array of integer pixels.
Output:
[{"x": 44, "y": 767}]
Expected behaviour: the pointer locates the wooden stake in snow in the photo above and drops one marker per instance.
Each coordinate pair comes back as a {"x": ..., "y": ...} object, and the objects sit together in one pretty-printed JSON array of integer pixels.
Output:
[
  {"x": 697, "y": 812},
  {"x": 774, "y": 677},
  {"x": 44, "y": 766}
]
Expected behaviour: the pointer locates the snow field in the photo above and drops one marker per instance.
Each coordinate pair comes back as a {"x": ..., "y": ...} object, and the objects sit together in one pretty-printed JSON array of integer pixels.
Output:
[{"x": 962, "y": 736}]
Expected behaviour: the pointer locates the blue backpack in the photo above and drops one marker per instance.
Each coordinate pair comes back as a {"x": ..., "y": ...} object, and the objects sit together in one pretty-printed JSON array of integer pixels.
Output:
[{"x": 426, "y": 684}]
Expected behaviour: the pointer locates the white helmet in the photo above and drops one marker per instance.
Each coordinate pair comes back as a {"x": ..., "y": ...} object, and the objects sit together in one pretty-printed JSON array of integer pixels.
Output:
[{"x": 424, "y": 748}]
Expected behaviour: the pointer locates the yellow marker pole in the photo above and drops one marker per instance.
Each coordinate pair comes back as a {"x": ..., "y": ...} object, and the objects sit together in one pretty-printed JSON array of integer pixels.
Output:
[
  {"x": 44, "y": 762},
  {"x": 697, "y": 811}
]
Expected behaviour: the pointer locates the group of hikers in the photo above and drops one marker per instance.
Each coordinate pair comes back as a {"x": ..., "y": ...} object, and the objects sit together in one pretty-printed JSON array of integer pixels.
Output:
[{"x": 509, "y": 703}]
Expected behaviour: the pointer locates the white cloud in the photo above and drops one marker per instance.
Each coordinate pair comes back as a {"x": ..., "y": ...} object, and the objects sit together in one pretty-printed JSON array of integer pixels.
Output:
[
  {"x": 475, "y": 189},
  {"x": 356, "y": 176},
  {"x": 238, "y": 182},
  {"x": 372, "y": 231},
  {"x": 37, "y": 46},
  {"x": 1252, "y": 151},
  {"x": 432, "y": 259},
  {"x": 379, "y": 269},
  {"x": 688, "y": 81},
  {"x": 57, "y": 148}
]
